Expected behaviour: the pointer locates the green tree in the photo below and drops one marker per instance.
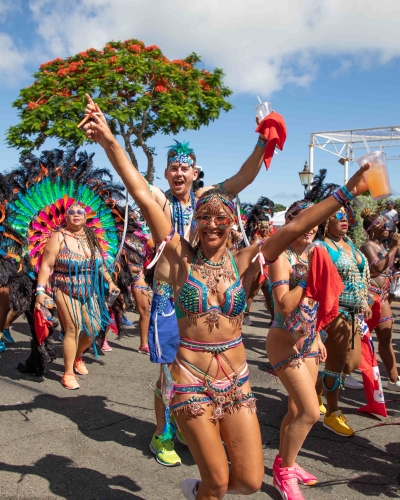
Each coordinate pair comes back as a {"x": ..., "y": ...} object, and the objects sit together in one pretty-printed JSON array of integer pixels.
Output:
[
  {"x": 356, "y": 233},
  {"x": 140, "y": 91},
  {"x": 279, "y": 208}
]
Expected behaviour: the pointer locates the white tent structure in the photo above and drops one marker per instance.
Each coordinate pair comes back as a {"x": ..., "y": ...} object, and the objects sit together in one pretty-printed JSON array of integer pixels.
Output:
[
  {"x": 348, "y": 145},
  {"x": 279, "y": 219}
]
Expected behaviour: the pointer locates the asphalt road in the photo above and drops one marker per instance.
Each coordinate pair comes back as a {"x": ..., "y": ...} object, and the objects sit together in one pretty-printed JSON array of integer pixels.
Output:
[{"x": 94, "y": 443}]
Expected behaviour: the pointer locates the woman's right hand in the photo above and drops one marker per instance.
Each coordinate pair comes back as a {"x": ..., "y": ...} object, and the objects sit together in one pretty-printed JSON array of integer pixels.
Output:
[
  {"x": 40, "y": 300},
  {"x": 356, "y": 184},
  {"x": 97, "y": 128}
]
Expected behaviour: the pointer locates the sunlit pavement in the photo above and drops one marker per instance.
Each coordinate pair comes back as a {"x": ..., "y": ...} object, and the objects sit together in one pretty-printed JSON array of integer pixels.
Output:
[{"x": 93, "y": 443}]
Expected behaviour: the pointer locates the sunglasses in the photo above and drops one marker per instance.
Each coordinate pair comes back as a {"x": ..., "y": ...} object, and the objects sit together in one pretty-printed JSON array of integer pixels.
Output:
[
  {"x": 221, "y": 221},
  {"x": 341, "y": 216},
  {"x": 79, "y": 211}
]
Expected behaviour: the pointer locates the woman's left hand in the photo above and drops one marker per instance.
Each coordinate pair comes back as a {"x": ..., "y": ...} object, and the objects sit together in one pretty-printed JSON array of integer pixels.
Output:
[
  {"x": 368, "y": 313},
  {"x": 112, "y": 286},
  {"x": 322, "y": 349}
]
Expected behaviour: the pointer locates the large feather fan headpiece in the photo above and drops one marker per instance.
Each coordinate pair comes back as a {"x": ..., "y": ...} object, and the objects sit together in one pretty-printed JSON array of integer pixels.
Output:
[{"x": 45, "y": 189}]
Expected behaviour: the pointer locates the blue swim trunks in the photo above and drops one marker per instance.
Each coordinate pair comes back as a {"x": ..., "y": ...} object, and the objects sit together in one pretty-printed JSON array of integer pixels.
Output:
[{"x": 163, "y": 328}]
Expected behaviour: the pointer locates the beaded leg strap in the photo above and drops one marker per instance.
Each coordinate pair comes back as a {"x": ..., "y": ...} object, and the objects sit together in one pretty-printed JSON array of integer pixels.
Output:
[
  {"x": 334, "y": 375},
  {"x": 157, "y": 393},
  {"x": 161, "y": 248}
]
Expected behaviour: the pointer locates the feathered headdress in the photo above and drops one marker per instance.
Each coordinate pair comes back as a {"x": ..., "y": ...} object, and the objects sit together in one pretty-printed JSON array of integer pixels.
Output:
[
  {"x": 261, "y": 211},
  {"x": 182, "y": 153},
  {"x": 45, "y": 189}
]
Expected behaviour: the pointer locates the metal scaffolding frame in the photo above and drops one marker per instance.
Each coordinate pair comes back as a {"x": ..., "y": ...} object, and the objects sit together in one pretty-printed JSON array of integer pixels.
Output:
[{"x": 344, "y": 143}]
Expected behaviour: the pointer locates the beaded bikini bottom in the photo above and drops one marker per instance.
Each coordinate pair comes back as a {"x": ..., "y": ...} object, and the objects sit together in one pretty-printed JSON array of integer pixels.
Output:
[{"x": 225, "y": 395}]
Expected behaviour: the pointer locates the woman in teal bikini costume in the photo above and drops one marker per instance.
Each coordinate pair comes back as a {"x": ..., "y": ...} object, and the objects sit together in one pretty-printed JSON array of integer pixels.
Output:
[
  {"x": 381, "y": 265},
  {"x": 210, "y": 369},
  {"x": 343, "y": 344},
  {"x": 294, "y": 348}
]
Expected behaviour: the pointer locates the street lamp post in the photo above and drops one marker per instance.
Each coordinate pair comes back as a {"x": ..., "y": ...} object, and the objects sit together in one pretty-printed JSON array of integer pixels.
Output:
[{"x": 306, "y": 177}]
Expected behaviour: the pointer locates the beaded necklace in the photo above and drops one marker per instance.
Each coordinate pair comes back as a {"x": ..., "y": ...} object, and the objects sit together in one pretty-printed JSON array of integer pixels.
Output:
[
  {"x": 82, "y": 241},
  {"x": 182, "y": 215},
  {"x": 212, "y": 272}
]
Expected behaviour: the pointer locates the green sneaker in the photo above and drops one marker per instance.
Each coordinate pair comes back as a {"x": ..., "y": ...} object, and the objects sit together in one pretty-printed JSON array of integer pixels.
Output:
[{"x": 164, "y": 452}]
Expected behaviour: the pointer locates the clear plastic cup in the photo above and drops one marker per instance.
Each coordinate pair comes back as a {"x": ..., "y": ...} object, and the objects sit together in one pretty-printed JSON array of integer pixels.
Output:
[
  {"x": 263, "y": 109},
  {"x": 376, "y": 176},
  {"x": 112, "y": 297}
]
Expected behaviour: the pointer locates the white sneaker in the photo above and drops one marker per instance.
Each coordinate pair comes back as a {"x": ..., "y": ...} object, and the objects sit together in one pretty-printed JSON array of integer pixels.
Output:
[
  {"x": 189, "y": 488},
  {"x": 393, "y": 386},
  {"x": 352, "y": 383},
  {"x": 247, "y": 321}
]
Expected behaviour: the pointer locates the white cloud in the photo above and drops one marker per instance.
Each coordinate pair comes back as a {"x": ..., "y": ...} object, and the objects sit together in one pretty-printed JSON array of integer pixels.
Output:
[
  {"x": 261, "y": 45},
  {"x": 12, "y": 61}
]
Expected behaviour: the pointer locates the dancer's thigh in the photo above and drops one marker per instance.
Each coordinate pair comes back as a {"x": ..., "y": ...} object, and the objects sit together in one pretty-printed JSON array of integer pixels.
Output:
[
  {"x": 337, "y": 343},
  {"x": 68, "y": 312},
  {"x": 241, "y": 434},
  {"x": 204, "y": 440},
  {"x": 4, "y": 305},
  {"x": 384, "y": 330},
  {"x": 280, "y": 345}
]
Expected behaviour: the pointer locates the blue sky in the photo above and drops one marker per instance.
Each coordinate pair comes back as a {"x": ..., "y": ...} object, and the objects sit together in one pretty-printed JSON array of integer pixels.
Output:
[{"x": 314, "y": 91}]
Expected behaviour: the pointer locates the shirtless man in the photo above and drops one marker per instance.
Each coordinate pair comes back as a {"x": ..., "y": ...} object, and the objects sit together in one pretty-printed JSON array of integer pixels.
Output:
[{"x": 178, "y": 204}]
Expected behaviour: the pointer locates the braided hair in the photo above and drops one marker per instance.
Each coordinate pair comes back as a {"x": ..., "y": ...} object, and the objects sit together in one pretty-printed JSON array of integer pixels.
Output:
[{"x": 92, "y": 240}]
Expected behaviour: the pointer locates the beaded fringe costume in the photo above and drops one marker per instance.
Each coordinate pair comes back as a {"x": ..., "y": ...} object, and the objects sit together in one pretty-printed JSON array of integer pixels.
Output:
[{"x": 46, "y": 187}]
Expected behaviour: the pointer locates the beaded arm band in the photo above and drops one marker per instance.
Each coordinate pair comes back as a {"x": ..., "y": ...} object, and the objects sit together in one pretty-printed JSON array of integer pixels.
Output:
[
  {"x": 343, "y": 196},
  {"x": 275, "y": 284},
  {"x": 161, "y": 247},
  {"x": 261, "y": 141},
  {"x": 303, "y": 284}
]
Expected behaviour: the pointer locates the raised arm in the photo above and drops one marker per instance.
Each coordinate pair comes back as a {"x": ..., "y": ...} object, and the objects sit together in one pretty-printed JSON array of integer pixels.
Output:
[
  {"x": 246, "y": 175},
  {"x": 379, "y": 264},
  {"x": 312, "y": 217},
  {"x": 98, "y": 130}
]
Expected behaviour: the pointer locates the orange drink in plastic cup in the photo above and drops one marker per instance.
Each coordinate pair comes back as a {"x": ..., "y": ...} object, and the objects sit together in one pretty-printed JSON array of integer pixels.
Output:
[{"x": 376, "y": 176}]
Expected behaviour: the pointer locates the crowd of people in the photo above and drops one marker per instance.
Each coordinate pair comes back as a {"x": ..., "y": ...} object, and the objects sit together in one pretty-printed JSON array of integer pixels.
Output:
[{"x": 182, "y": 258}]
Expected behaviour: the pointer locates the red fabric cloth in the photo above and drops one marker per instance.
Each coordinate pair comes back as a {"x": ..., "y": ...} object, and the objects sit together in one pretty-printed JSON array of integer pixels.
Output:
[
  {"x": 371, "y": 378},
  {"x": 273, "y": 128},
  {"x": 324, "y": 285},
  {"x": 376, "y": 314},
  {"x": 113, "y": 323},
  {"x": 41, "y": 326}
]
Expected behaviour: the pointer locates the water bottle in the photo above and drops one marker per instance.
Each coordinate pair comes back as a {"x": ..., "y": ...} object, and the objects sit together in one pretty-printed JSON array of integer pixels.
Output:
[
  {"x": 45, "y": 312},
  {"x": 49, "y": 303},
  {"x": 112, "y": 297}
]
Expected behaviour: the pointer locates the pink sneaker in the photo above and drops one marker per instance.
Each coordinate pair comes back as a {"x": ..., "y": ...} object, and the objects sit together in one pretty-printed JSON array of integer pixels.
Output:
[
  {"x": 303, "y": 476},
  {"x": 144, "y": 349},
  {"x": 106, "y": 346},
  {"x": 285, "y": 481}
]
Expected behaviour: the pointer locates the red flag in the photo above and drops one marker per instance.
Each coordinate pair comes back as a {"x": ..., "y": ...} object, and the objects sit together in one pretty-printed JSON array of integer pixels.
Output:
[
  {"x": 41, "y": 326},
  {"x": 371, "y": 378},
  {"x": 272, "y": 127}
]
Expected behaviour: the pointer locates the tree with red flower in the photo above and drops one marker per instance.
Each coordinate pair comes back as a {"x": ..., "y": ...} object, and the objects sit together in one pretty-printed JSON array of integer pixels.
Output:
[{"x": 140, "y": 91}]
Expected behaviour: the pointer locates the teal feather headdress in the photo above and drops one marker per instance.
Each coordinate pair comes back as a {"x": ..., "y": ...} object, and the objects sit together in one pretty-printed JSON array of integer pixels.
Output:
[{"x": 182, "y": 153}]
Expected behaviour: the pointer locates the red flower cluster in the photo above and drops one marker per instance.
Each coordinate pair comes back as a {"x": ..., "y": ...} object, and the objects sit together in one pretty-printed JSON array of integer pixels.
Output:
[
  {"x": 161, "y": 89},
  {"x": 33, "y": 105},
  {"x": 49, "y": 63},
  {"x": 205, "y": 86},
  {"x": 119, "y": 69},
  {"x": 64, "y": 93},
  {"x": 62, "y": 72},
  {"x": 113, "y": 59},
  {"x": 182, "y": 64},
  {"x": 109, "y": 48},
  {"x": 151, "y": 47},
  {"x": 75, "y": 66},
  {"x": 83, "y": 54},
  {"x": 134, "y": 47}
]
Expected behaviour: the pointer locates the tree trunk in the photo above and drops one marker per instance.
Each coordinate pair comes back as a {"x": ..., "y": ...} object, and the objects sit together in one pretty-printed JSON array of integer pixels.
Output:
[
  {"x": 150, "y": 161},
  {"x": 128, "y": 146}
]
